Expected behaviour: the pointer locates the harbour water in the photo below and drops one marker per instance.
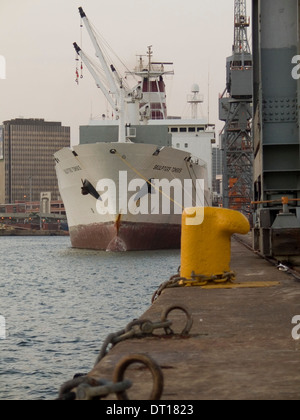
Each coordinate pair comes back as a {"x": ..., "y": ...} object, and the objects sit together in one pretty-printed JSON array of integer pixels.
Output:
[{"x": 59, "y": 305}]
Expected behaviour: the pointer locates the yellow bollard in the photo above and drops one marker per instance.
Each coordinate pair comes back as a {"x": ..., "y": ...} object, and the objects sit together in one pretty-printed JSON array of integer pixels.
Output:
[{"x": 206, "y": 240}]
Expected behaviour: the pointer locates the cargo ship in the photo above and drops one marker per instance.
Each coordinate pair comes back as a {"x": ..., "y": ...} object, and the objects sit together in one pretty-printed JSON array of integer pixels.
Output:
[{"x": 125, "y": 186}]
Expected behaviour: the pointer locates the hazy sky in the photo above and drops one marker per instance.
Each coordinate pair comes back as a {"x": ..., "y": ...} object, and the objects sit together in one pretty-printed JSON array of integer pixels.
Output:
[{"x": 36, "y": 38}]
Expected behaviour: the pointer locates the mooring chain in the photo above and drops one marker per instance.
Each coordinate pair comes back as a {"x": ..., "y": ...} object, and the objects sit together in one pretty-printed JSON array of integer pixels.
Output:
[
  {"x": 85, "y": 388},
  {"x": 143, "y": 327},
  {"x": 196, "y": 280},
  {"x": 135, "y": 329}
]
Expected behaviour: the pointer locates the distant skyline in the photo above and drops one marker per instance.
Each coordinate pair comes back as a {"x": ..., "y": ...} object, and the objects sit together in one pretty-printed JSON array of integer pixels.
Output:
[{"x": 36, "y": 38}]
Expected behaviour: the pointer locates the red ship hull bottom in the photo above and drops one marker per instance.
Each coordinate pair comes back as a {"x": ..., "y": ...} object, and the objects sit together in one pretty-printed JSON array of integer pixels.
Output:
[{"x": 125, "y": 236}]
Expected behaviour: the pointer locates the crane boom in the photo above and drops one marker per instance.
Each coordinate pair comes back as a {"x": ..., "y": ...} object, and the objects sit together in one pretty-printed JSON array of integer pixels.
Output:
[
  {"x": 241, "y": 23},
  {"x": 99, "y": 83},
  {"x": 112, "y": 84}
]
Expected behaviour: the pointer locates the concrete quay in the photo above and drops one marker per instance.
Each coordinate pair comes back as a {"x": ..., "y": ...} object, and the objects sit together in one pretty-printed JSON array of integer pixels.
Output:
[
  {"x": 240, "y": 346},
  {"x": 31, "y": 232}
]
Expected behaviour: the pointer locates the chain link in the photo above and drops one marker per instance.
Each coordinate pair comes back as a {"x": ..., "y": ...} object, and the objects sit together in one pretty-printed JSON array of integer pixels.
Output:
[
  {"x": 196, "y": 280},
  {"x": 135, "y": 329},
  {"x": 141, "y": 328},
  {"x": 86, "y": 392},
  {"x": 85, "y": 388}
]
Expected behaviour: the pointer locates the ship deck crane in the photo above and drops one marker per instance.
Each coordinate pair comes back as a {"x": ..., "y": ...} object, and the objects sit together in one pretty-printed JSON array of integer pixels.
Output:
[
  {"x": 116, "y": 92},
  {"x": 95, "y": 75},
  {"x": 146, "y": 100},
  {"x": 114, "y": 88}
]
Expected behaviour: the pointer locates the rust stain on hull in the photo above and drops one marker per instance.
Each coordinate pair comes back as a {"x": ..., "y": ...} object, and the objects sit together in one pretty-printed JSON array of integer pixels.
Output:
[{"x": 125, "y": 236}]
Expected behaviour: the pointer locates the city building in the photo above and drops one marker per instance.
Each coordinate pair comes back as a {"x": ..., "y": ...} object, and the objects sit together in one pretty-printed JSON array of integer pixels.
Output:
[
  {"x": 217, "y": 162},
  {"x": 27, "y": 166}
]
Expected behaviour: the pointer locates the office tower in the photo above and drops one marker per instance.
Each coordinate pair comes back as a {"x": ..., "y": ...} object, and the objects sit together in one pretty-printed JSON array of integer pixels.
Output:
[{"x": 26, "y": 158}]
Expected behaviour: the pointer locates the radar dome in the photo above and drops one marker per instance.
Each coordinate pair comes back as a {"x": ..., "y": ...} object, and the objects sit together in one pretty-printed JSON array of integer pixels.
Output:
[{"x": 195, "y": 88}]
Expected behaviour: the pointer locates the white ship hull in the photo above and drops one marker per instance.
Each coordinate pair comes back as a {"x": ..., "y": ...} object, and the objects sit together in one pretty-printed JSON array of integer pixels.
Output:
[{"x": 124, "y": 218}]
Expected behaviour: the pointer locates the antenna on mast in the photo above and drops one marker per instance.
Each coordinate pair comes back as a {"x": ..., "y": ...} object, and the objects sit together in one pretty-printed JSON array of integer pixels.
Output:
[
  {"x": 195, "y": 99},
  {"x": 208, "y": 97}
]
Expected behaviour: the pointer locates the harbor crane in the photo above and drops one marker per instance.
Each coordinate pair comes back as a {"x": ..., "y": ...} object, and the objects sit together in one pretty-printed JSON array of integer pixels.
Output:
[{"x": 235, "y": 109}]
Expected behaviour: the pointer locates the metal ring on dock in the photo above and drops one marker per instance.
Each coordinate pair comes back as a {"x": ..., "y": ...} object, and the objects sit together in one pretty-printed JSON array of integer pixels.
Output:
[
  {"x": 189, "y": 322},
  {"x": 157, "y": 375}
]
